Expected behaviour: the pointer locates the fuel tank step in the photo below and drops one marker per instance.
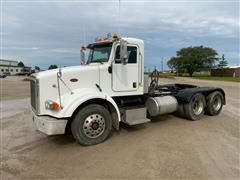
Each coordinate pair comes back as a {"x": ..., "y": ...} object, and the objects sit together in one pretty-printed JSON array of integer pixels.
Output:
[
  {"x": 134, "y": 116},
  {"x": 137, "y": 121}
]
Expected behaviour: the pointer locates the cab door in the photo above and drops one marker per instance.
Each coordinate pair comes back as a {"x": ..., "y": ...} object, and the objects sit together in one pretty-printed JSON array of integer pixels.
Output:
[{"x": 125, "y": 76}]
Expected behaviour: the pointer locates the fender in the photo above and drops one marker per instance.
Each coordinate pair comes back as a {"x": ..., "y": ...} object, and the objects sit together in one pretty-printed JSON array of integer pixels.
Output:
[
  {"x": 185, "y": 95},
  {"x": 70, "y": 102}
]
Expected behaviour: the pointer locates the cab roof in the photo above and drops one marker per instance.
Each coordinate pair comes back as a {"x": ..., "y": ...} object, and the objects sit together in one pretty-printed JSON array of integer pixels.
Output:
[
  {"x": 111, "y": 40},
  {"x": 133, "y": 40}
]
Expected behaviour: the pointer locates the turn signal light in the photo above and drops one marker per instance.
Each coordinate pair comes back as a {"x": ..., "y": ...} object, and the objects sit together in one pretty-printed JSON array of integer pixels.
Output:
[
  {"x": 55, "y": 106},
  {"x": 52, "y": 105}
]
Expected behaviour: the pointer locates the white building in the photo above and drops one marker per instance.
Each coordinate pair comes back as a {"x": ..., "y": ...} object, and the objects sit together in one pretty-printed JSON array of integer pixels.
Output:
[{"x": 9, "y": 66}]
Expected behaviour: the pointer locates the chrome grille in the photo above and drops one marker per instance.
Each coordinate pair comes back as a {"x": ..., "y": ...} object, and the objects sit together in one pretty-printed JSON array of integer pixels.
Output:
[{"x": 34, "y": 94}]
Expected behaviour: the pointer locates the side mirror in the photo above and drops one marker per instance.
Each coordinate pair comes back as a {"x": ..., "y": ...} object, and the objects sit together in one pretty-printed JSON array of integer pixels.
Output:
[
  {"x": 123, "y": 51},
  {"x": 82, "y": 55}
]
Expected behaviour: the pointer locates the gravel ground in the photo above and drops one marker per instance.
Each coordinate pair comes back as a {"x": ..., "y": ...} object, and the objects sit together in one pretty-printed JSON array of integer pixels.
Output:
[
  {"x": 13, "y": 87},
  {"x": 167, "y": 148}
]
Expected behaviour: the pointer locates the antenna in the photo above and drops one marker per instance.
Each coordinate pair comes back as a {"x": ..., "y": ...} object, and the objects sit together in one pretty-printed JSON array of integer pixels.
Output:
[
  {"x": 119, "y": 15},
  {"x": 162, "y": 64}
]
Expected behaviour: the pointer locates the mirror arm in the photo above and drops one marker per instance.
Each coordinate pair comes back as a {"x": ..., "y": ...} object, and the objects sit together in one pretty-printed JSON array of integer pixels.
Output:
[
  {"x": 123, "y": 52},
  {"x": 124, "y": 61}
]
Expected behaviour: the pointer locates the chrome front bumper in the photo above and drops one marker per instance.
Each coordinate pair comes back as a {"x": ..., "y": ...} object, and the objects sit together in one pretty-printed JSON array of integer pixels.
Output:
[{"x": 49, "y": 125}]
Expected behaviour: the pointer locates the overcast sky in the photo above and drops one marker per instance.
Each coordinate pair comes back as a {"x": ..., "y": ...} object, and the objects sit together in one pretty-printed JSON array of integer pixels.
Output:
[{"x": 43, "y": 33}]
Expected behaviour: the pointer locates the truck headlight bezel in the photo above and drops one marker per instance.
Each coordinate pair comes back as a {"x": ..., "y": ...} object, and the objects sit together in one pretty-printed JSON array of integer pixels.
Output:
[{"x": 52, "y": 105}]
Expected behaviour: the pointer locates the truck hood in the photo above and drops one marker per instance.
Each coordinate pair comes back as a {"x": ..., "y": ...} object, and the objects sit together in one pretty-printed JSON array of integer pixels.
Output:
[
  {"x": 72, "y": 80},
  {"x": 67, "y": 70}
]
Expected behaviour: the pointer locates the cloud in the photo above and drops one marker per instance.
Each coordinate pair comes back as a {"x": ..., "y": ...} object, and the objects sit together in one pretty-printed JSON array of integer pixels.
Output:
[
  {"x": 53, "y": 32},
  {"x": 22, "y": 48},
  {"x": 65, "y": 50},
  {"x": 187, "y": 18}
]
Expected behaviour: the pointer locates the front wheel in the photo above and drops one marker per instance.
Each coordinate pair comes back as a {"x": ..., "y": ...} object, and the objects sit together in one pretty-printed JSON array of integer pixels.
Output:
[
  {"x": 91, "y": 125},
  {"x": 195, "y": 109}
]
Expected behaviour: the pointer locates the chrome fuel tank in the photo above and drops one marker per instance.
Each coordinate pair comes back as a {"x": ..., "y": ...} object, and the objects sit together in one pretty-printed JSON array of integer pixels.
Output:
[{"x": 161, "y": 105}]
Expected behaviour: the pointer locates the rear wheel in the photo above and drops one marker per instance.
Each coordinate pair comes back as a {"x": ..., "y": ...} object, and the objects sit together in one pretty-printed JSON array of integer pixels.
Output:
[
  {"x": 91, "y": 125},
  {"x": 195, "y": 109},
  {"x": 214, "y": 103}
]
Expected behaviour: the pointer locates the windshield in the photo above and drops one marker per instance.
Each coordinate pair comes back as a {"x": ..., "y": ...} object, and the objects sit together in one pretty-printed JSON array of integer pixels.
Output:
[{"x": 99, "y": 52}]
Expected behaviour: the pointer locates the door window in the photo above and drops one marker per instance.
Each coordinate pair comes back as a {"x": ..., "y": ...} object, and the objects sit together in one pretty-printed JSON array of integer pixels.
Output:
[{"x": 132, "y": 55}]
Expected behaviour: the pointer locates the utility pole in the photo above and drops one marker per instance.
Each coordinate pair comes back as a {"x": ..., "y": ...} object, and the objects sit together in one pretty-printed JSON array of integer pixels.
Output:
[
  {"x": 177, "y": 67},
  {"x": 162, "y": 64}
]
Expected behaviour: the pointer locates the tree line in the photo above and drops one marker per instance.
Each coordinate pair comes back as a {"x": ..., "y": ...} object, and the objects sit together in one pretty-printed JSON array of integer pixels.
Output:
[
  {"x": 21, "y": 64},
  {"x": 190, "y": 59},
  {"x": 197, "y": 58},
  {"x": 52, "y": 66}
]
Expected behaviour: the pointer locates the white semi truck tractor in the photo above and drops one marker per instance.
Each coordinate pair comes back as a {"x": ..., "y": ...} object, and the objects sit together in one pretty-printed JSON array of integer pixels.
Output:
[{"x": 89, "y": 100}]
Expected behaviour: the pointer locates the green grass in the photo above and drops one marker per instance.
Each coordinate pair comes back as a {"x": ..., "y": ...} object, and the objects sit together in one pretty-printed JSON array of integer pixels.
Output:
[
  {"x": 205, "y": 75},
  {"x": 216, "y": 78},
  {"x": 199, "y": 75},
  {"x": 162, "y": 75},
  {"x": 26, "y": 79}
]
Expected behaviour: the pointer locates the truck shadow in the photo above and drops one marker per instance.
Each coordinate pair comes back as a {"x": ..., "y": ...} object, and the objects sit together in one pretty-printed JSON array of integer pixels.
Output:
[
  {"x": 161, "y": 118},
  {"x": 156, "y": 120},
  {"x": 68, "y": 139},
  {"x": 132, "y": 128},
  {"x": 62, "y": 139}
]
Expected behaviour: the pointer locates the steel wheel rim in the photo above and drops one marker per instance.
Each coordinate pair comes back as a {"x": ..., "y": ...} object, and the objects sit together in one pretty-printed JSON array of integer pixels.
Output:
[
  {"x": 197, "y": 106},
  {"x": 217, "y": 103},
  {"x": 94, "y": 126}
]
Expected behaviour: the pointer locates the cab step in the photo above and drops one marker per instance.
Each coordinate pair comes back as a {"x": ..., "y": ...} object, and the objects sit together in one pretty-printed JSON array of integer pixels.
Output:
[{"x": 137, "y": 121}]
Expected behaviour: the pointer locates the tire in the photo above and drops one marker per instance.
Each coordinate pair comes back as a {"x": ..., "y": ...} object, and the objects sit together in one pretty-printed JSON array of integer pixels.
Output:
[
  {"x": 214, "y": 103},
  {"x": 194, "y": 110},
  {"x": 91, "y": 125}
]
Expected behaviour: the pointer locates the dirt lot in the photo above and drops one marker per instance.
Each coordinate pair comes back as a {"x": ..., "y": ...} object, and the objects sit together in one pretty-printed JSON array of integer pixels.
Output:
[
  {"x": 168, "y": 148},
  {"x": 14, "y": 88}
]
